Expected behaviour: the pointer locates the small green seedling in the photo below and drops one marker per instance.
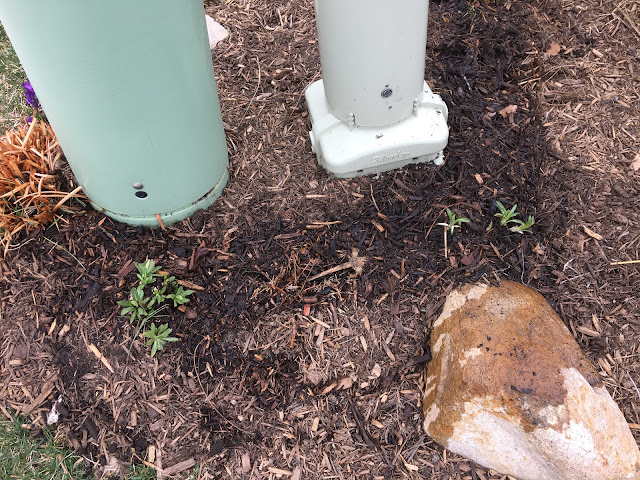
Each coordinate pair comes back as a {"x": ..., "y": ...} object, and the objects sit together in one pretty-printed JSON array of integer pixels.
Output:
[
  {"x": 490, "y": 227},
  {"x": 158, "y": 337},
  {"x": 523, "y": 227},
  {"x": 147, "y": 272},
  {"x": 454, "y": 222},
  {"x": 143, "y": 306},
  {"x": 137, "y": 307},
  {"x": 506, "y": 216},
  {"x": 179, "y": 297},
  {"x": 158, "y": 295}
]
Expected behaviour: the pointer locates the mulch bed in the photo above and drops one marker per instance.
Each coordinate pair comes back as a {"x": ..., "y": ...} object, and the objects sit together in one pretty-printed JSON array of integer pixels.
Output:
[{"x": 285, "y": 371}]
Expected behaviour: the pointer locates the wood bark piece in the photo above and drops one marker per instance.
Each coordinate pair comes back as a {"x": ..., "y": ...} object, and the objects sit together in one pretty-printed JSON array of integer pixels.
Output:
[
  {"x": 179, "y": 467},
  {"x": 93, "y": 349},
  {"x": 39, "y": 400}
]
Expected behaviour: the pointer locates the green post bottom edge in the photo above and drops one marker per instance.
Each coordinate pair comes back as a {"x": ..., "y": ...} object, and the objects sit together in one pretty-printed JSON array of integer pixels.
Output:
[{"x": 171, "y": 217}]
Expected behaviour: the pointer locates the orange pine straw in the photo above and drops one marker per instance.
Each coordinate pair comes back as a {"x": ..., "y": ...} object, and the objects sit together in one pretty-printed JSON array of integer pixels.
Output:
[{"x": 29, "y": 199}]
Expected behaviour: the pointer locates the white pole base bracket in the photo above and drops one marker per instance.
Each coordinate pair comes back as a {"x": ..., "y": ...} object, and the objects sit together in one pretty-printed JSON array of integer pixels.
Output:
[{"x": 347, "y": 150}]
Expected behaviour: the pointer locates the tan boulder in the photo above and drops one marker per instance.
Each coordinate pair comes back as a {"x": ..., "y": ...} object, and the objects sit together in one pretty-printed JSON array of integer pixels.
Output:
[{"x": 509, "y": 388}]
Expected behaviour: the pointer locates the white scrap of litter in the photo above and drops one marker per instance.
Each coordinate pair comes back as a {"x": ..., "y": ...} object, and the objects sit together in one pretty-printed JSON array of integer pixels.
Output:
[
  {"x": 54, "y": 415},
  {"x": 216, "y": 32}
]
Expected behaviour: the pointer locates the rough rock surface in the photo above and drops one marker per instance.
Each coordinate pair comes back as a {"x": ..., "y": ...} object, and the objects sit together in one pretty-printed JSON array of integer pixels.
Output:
[{"x": 509, "y": 388}]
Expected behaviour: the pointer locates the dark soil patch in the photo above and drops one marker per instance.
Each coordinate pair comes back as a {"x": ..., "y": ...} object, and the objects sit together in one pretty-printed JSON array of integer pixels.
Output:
[{"x": 252, "y": 374}]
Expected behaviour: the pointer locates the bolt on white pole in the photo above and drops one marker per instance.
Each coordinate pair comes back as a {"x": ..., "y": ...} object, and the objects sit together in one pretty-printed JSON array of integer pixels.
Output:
[{"x": 372, "y": 111}]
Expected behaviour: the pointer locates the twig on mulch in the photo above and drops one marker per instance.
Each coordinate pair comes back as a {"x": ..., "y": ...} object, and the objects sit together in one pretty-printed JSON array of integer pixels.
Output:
[
  {"x": 355, "y": 262},
  {"x": 93, "y": 349},
  {"x": 29, "y": 197},
  {"x": 628, "y": 18},
  {"x": 626, "y": 262},
  {"x": 357, "y": 416}
]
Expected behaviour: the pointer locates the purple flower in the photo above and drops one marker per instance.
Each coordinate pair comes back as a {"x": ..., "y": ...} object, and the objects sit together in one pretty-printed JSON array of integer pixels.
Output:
[{"x": 30, "y": 94}]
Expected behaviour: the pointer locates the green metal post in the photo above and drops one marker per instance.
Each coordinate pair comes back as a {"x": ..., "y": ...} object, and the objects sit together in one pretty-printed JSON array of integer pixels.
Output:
[{"x": 129, "y": 89}]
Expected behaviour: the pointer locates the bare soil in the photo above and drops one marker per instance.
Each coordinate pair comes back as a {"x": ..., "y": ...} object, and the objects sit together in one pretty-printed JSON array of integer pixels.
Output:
[{"x": 282, "y": 372}]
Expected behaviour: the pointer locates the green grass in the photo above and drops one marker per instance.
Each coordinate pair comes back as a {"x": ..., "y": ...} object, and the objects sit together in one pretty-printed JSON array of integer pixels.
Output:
[
  {"x": 26, "y": 458},
  {"x": 141, "y": 472},
  {"x": 13, "y": 107}
]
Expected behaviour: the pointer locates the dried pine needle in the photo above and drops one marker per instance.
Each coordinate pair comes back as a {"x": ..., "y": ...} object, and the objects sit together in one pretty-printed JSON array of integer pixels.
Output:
[{"x": 29, "y": 198}]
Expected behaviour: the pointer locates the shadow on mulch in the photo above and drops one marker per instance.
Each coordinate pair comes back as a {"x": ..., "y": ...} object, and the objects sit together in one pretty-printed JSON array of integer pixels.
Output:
[{"x": 251, "y": 367}]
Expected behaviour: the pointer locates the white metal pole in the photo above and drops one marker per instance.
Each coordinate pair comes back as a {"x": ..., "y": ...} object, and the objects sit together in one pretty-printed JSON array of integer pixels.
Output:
[
  {"x": 373, "y": 57},
  {"x": 372, "y": 111}
]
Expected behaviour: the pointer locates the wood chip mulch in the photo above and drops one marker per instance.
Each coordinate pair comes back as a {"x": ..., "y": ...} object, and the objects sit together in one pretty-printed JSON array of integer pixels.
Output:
[{"x": 300, "y": 352}]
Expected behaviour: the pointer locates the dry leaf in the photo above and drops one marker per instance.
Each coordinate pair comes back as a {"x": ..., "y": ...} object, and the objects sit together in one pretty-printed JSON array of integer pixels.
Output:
[
  {"x": 111, "y": 467},
  {"x": 592, "y": 234},
  {"x": 344, "y": 383},
  {"x": 554, "y": 49},
  {"x": 376, "y": 423},
  {"x": 508, "y": 110},
  {"x": 636, "y": 163},
  {"x": 29, "y": 198},
  {"x": 315, "y": 376}
]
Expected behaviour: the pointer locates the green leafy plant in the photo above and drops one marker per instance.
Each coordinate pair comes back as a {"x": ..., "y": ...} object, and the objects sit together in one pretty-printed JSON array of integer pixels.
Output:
[
  {"x": 158, "y": 337},
  {"x": 506, "y": 216},
  {"x": 148, "y": 299},
  {"x": 158, "y": 295},
  {"x": 490, "y": 227},
  {"x": 523, "y": 227},
  {"x": 179, "y": 297},
  {"x": 454, "y": 222},
  {"x": 137, "y": 307},
  {"x": 147, "y": 272}
]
